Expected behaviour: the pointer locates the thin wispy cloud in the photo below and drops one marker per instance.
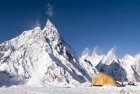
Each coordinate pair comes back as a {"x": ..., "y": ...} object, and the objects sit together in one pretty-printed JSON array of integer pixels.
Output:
[
  {"x": 114, "y": 48},
  {"x": 37, "y": 24},
  {"x": 50, "y": 10},
  {"x": 95, "y": 50}
]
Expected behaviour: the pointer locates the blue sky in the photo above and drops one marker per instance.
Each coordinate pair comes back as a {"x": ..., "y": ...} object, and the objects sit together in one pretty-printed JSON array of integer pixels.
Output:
[{"x": 82, "y": 23}]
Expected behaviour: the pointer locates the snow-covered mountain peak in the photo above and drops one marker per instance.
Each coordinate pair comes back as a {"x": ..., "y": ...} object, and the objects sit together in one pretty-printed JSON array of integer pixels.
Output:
[
  {"x": 37, "y": 29},
  {"x": 41, "y": 55},
  {"x": 128, "y": 60},
  {"x": 137, "y": 58},
  {"x": 111, "y": 53},
  {"x": 110, "y": 57},
  {"x": 94, "y": 53},
  {"x": 127, "y": 56},
  {"x": 49, "y": 23},
  {"x": 51, "y": 33},
  {"x": 85, "y": 53},
  {"x": 50, "y": 27}
]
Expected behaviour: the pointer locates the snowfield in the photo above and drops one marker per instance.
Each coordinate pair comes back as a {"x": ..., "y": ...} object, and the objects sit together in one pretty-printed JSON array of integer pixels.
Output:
[{"x": 70, "y": 90}]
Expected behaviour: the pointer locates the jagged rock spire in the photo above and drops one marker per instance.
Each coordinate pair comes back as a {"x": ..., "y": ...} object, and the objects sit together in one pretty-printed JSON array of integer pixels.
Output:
[
  {"x": 51, "y": 33},
  {"x": 49, "y": 23},
  {"x": 50, "y": 28},
  {"x": 94, "y": 53}
]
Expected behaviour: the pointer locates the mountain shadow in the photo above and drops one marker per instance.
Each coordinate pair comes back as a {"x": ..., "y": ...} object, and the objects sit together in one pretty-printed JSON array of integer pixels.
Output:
[
  {"x": 114, "y": 69},
  {"x": 74, "y": 75},
  {"x": 7, "y": 80}
]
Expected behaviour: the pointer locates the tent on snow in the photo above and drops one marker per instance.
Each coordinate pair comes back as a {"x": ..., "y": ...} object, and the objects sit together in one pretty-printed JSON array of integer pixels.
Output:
[{"x": 101, "y": 79}]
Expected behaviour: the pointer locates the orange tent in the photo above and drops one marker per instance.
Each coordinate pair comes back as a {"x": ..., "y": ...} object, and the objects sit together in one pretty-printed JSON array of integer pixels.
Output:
[{"x": 101, "y": 79}]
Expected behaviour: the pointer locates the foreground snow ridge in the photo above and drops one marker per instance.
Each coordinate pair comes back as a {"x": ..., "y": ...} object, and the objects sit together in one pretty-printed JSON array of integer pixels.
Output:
[
  {"x": 39, "y": 57},
  {"x": 65, "y": 90}
]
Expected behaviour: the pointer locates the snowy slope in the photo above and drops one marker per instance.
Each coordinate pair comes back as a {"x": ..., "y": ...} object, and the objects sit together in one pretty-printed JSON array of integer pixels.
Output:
[
  {"x": 41, "y": 56},
  {"x": 74, "y": 90},
  {"x": 136, "y": 67},
  {"x": 89, "y": 62}
]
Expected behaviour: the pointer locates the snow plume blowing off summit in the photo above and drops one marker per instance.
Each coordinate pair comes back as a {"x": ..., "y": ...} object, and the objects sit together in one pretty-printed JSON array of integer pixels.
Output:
[{"x": 40, "y": 56}]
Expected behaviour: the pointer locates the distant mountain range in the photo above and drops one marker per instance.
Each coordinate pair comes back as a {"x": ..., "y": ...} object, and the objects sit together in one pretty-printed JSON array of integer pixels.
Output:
[{"x": 43, "y": 57}]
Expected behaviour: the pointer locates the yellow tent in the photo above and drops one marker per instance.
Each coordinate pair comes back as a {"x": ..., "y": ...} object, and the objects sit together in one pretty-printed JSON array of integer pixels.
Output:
[{"x": 101, "y": 79}]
